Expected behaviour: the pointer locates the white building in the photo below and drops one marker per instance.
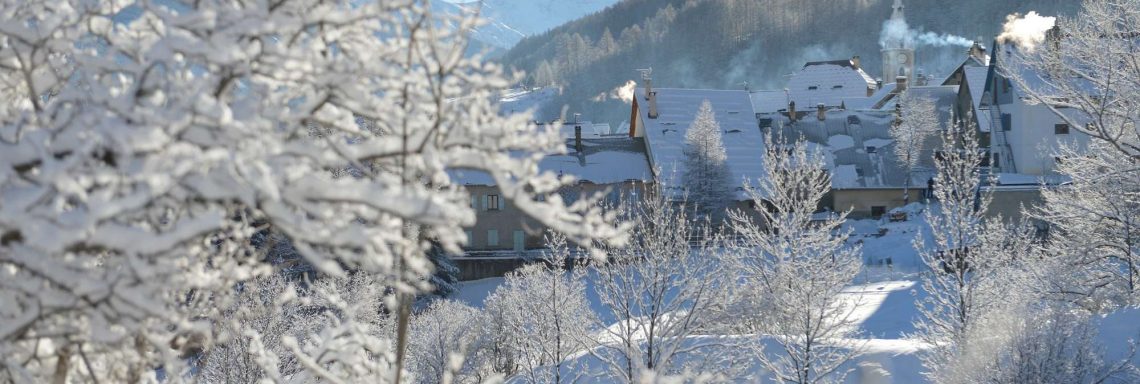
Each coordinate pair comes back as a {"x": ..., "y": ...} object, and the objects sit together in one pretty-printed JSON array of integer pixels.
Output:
[{"x": 1025, "y": 136}]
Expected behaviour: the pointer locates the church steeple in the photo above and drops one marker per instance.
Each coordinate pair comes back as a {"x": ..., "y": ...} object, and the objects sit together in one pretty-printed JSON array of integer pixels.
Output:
[
  {"x": 898, "y": 47},
  {"x": 898, "y": 13}
]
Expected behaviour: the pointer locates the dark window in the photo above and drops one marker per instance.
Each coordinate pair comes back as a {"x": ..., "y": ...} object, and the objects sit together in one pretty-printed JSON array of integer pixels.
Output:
[
  {"x": 812, "y": 88},
  {"x": 1006, "y": 122},
  {"x": 995, "y": 162},
  {"x": 493, "y": 203},
  {"x": 837, "y": 87},
  {"x": 1061, "y": 129},
  {"x": 878, "y": 211}
]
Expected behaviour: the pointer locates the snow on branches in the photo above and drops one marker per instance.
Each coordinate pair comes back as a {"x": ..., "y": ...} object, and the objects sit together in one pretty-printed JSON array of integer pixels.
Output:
[{"x": 141, "y": 146}]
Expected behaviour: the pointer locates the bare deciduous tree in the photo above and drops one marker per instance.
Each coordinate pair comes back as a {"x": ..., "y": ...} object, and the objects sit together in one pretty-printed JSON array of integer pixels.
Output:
[
  {"x": 794, "y": 264},
  {"x": 142, "y": 145}
]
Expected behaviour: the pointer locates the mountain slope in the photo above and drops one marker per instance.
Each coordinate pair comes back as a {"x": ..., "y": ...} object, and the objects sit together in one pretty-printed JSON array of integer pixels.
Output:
[
  {"x": 725, "y": 43},
  {"x": 512, "y": 20}
]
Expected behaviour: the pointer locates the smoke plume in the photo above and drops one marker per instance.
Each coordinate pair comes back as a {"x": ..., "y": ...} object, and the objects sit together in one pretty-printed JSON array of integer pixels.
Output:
[
  {"x": 897, "y": 33},
  {"x": 1025, "y": 31},
  {"x": 624, "y": 92}
]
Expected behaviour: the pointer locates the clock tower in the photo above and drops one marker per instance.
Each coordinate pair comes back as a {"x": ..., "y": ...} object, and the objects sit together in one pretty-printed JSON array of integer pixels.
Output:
[{"x": 898, "y": 47}]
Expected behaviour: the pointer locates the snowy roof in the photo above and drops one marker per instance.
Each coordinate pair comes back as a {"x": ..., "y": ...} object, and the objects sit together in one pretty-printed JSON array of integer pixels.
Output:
[
  {"x": 589, "y": 130},
  {"x": 828, "y": 83},
  {"x": 976, "y": 80},
  {"x": 602, "y": 161},
  {"x": 866, "y": 103},
  {"x": 976, "y": 83},
  {"x": 769, "y": 101},
  {"x": 861, "y": 151},
  {"x": 944, "y": 97},
  {"x": 676, "y": 108}
]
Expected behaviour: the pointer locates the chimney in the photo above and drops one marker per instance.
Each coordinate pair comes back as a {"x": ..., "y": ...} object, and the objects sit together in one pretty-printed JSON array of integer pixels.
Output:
[
  {"x": 1053, "y": 37},
  {"x": 648, "y": 87},
  {"x": 652, "y": 104},
  {"x": 820, "y": 112},
  {"x": 900, "y": 84},
  {"x": 878, "y": 83},
  {"x": 792, "y": 111},
  {"x": 977, "y": 52},
  {"x": 856, "y": 62},
  {"x": 578, "y": 138}
]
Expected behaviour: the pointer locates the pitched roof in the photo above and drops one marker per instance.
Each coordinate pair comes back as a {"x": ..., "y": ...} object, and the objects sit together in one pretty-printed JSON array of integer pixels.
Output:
[
  {"x": 603, "y": 160},
  {"x": 676, "y": 109},
  {"x": 827, "y": 83}
]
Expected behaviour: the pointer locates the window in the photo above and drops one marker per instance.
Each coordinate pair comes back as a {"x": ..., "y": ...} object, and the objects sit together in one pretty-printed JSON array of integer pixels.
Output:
[
  {"x": 812, "y": 88},
  {"x": 996, "y": 162},
  {"x": 492, "y": 238},
  {"x": 878, "y": 211},
  {"x": 837, "y": 87},
  {"x": 493, "y": 203},
  {"x": 470, "y": 238},
  {"x": 1061, "y": 129},
  {"x": 474, "y": 203},
  {"x": 1006, "y": 122}
]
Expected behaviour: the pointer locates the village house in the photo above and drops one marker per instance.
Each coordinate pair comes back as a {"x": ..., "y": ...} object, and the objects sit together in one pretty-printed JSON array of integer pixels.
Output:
[
  {"x": 601, "y": 162},
  {"x": 661, "y": 116}
]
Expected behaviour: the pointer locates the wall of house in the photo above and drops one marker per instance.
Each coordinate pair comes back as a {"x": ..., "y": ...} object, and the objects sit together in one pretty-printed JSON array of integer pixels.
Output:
[
  {"x": 507, "y": 222},
  {"x": 861, "y": 202},
  {"x": 1033, "y": 138}
]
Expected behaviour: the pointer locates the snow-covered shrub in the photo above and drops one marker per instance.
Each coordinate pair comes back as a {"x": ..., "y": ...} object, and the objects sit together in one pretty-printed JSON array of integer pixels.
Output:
[
  {"x": 445, "y": 344},
  {"x": 544, "y": 316},
  {"x": 660, "y": 291}
]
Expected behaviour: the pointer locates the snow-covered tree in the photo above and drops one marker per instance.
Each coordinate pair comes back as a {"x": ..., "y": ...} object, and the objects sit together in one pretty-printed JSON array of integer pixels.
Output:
[
  {"x": 276, "y": 322},
  {"x": 658, "y": 292},
  {"x": 706, "y": 176},
  {"x": 142, "y": 145},
  {"x": 1084, "y": 70},
  {"x": 444, "y": 281},
  {"x": 444, "y": 344},
  {"x": 793, "y": 265},
  {"x": 916, "y": 121},
  {"x": 963, "y": 263},
  {"x": 1094, "y": 223},
  {"x": 545, "y": 316},
  {"x": 1047, "y": 344}
]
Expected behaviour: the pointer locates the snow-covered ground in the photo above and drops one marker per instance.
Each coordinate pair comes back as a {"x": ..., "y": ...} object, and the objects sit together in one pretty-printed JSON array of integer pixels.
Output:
[{"x": 882, "y": 302}]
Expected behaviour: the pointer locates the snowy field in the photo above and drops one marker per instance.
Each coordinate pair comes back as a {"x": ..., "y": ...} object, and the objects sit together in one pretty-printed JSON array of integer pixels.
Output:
[{"x": 882, "y": 307}]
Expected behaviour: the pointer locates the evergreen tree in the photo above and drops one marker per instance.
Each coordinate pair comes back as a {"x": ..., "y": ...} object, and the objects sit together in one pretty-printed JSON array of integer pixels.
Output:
[{"x": 706, "y": 169}]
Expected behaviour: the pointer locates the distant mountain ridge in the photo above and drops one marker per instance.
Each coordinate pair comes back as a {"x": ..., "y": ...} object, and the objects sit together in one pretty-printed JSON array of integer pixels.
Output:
[
  {"x": 727, "y": 44},
  {"x": 509, "y": 21}
]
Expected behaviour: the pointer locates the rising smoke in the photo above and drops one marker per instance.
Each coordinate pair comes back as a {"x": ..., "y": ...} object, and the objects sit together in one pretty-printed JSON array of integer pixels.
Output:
[
  {"x": 898, "y": 32},
  {"x": 624, "y": 92},
  {"x": 1025, "y": 32}
]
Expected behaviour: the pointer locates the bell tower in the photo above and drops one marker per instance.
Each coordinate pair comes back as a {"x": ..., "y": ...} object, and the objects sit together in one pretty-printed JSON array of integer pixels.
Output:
[{"x": 898, "y": 47}]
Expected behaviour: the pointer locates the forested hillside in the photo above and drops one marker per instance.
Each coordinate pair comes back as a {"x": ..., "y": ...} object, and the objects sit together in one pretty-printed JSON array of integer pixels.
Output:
[{"x": 725, "y": 43}]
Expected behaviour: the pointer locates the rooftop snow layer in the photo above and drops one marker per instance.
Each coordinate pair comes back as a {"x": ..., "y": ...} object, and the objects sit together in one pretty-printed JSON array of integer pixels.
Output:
[
  {"x": 665, "y": 135},
  {"x": 602, "y": 161}
]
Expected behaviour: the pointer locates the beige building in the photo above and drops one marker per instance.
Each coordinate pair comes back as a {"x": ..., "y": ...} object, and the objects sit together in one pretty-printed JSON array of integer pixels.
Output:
[{"x": 614, "y": 165}]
